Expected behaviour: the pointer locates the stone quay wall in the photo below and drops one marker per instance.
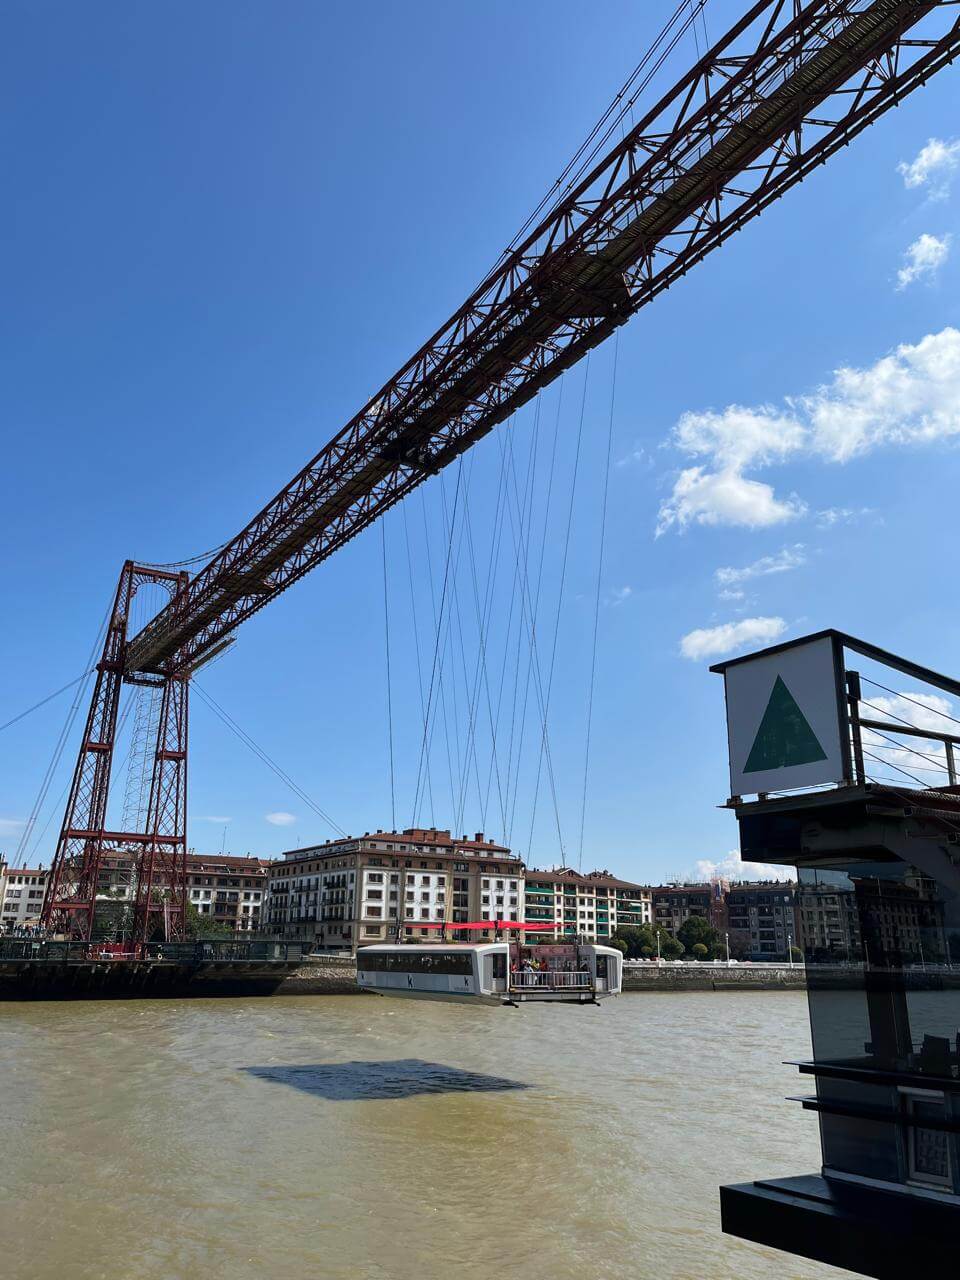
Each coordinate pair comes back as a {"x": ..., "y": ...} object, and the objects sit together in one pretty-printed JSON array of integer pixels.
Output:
[
  {"x": 336, "y": 975},
  {"x": 714, "y": 977}
]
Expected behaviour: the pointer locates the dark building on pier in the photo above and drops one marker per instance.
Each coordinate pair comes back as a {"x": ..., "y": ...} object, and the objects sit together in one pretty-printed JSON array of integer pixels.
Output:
[{"x": 878, "y": 912}]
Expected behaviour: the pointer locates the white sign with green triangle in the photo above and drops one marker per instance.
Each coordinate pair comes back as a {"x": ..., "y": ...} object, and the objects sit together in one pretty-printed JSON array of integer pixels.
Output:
[{"x": 783, "y": 718}]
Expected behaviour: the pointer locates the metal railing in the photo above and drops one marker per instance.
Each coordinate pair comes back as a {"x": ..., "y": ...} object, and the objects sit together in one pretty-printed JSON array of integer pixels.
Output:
[
  {"x": 552, "y": 979},
  {"x": 201, "y": 951}
]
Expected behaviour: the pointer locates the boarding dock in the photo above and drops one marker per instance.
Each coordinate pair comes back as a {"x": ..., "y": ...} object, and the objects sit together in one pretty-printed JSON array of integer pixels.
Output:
[{"x": 38, "y": 968}]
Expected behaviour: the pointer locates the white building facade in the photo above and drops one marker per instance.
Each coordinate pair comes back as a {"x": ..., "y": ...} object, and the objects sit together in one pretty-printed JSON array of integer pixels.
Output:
[{"x": 23, "y": 889}]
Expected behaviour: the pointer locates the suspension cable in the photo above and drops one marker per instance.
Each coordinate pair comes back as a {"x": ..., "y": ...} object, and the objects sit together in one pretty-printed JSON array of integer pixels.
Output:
[
  {"x": 49, "y": 698},
  {"x": 416, "y": 643},
  {"x": 436, "y": 647},
  {"x": 262, "y": 755},
  {"x": 386, "y": 631},
  {"x": 596, "y": 606},
  {"x": 57, "y": 754},
  {"x": 544, "y": 745}
]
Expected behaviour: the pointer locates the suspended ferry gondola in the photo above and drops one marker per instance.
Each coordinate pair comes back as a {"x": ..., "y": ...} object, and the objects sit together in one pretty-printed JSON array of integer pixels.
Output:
[{"x": 504, "y": 973}]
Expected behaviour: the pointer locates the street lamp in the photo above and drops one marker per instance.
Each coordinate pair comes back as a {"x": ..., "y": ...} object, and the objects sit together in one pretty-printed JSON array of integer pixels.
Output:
[
  {"x": 658, "y": 946},
  {"x": 726, "y": 938},
  {"x": 790, "y": 948}
]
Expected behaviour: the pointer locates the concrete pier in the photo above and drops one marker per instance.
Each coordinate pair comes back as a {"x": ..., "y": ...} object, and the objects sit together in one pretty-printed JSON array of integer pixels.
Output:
[{"x": 335, "y": 975}]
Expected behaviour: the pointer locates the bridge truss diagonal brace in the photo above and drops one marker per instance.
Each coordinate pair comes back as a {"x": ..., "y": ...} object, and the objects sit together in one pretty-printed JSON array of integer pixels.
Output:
[
  {"x": 155, "y": 856},
  {"x": 781, "y": 92}
]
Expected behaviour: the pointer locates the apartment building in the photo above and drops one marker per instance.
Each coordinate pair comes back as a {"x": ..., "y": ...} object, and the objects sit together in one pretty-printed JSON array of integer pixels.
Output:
[
  {"x": 228, "y": 889},
  {"x": 857, "y": 917},
  {"x": 828, "y": 921},
  {"x": 761, "y": 920},
  {"x": 22, "y": 890},
  {"x": 590, "y": 907},
  {"x": 388, "y": 884},
  {"x": 674, "y": 904}
]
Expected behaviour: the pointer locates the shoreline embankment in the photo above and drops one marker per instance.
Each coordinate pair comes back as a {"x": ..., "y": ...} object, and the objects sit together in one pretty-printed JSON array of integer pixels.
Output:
[{"x": 336, "y": 975}]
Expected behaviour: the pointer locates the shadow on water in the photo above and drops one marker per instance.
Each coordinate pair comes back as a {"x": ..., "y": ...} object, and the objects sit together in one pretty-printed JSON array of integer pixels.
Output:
[{"x": 403, "y": 1078}]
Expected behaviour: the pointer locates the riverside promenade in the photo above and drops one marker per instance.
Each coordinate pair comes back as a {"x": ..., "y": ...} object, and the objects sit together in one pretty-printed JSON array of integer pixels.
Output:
[{"x": 335, "y": 975}]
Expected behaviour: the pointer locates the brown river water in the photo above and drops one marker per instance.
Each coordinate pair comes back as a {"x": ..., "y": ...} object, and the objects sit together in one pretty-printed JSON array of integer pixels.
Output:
[{"x": 359, "y": 1138}]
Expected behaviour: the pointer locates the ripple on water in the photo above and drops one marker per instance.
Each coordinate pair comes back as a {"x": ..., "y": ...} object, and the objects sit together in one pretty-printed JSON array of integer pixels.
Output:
[{"x": 396, "y": 1140}]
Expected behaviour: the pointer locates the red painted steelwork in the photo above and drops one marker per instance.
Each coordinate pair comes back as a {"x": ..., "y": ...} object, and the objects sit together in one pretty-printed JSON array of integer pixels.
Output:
[
  {"x": 158, "y": 853},
  {"x": 781, "y": 92}
]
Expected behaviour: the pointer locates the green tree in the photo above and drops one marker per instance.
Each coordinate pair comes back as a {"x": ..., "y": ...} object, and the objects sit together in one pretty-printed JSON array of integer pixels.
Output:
[
  {"x": 198, "y": 926},
  {"x": 641, "y": 940},
  {"x": 619, "y": 944},
  {"x": 700, "y": 950},
  {"x": 670, "y": 947},
  {"x": 698, "y": 931}
]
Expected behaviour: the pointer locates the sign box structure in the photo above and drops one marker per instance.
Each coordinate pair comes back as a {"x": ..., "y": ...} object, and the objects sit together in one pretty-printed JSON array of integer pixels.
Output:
[{"x": 786, "y": 717}]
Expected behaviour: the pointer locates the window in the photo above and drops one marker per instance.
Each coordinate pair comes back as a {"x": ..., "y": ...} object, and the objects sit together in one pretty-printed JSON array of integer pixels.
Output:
[
  {"x": 434, "y": 962},
  {"x": 928, "y": 1150}
]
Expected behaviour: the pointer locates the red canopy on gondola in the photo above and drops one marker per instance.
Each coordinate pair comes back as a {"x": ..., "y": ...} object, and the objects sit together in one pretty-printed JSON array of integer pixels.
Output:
[{"x": 540, "y": 927}]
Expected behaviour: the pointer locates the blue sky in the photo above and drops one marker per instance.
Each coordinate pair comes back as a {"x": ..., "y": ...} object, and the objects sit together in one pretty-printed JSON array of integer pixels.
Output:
[{"x": 227, "y": 224}]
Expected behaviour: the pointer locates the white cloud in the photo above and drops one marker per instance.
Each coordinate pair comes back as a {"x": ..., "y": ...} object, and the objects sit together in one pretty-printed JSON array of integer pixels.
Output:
[
  {"x": 621, "y": 595},
  {"x": 923, "y": 259},
  {"x": 713, "y": 642},
  {"x": 281, "y": 819},
  {"x": 831, "y": 516},
  {"x": 724, "y": 497},
  {"x": 212, "y": 817},
  {"x": 637, "y": 457},
  {"x": 788, "y": 558},
  {"x": 932, "y": 167},
  {"x": 921, "y": 758},
  {"x": 11, "y": 826},
  {"x": 739, "y": 437},
  {"x": 909, "y": 397},
  {"x": 732, "y": 867}
]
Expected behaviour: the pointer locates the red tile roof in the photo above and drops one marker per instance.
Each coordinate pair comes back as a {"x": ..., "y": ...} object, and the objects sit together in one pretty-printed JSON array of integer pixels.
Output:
[
  {"x": 437, "y": 838},
  {"x": 567, "y": 875}
]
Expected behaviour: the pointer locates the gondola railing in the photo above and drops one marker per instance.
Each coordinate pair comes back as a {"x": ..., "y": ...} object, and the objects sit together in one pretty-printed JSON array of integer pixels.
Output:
[{"x": 551, "y": 980}]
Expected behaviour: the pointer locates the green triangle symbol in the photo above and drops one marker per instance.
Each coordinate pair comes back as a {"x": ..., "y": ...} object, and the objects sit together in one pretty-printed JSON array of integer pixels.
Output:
[{"x": 784, "y": 737}]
